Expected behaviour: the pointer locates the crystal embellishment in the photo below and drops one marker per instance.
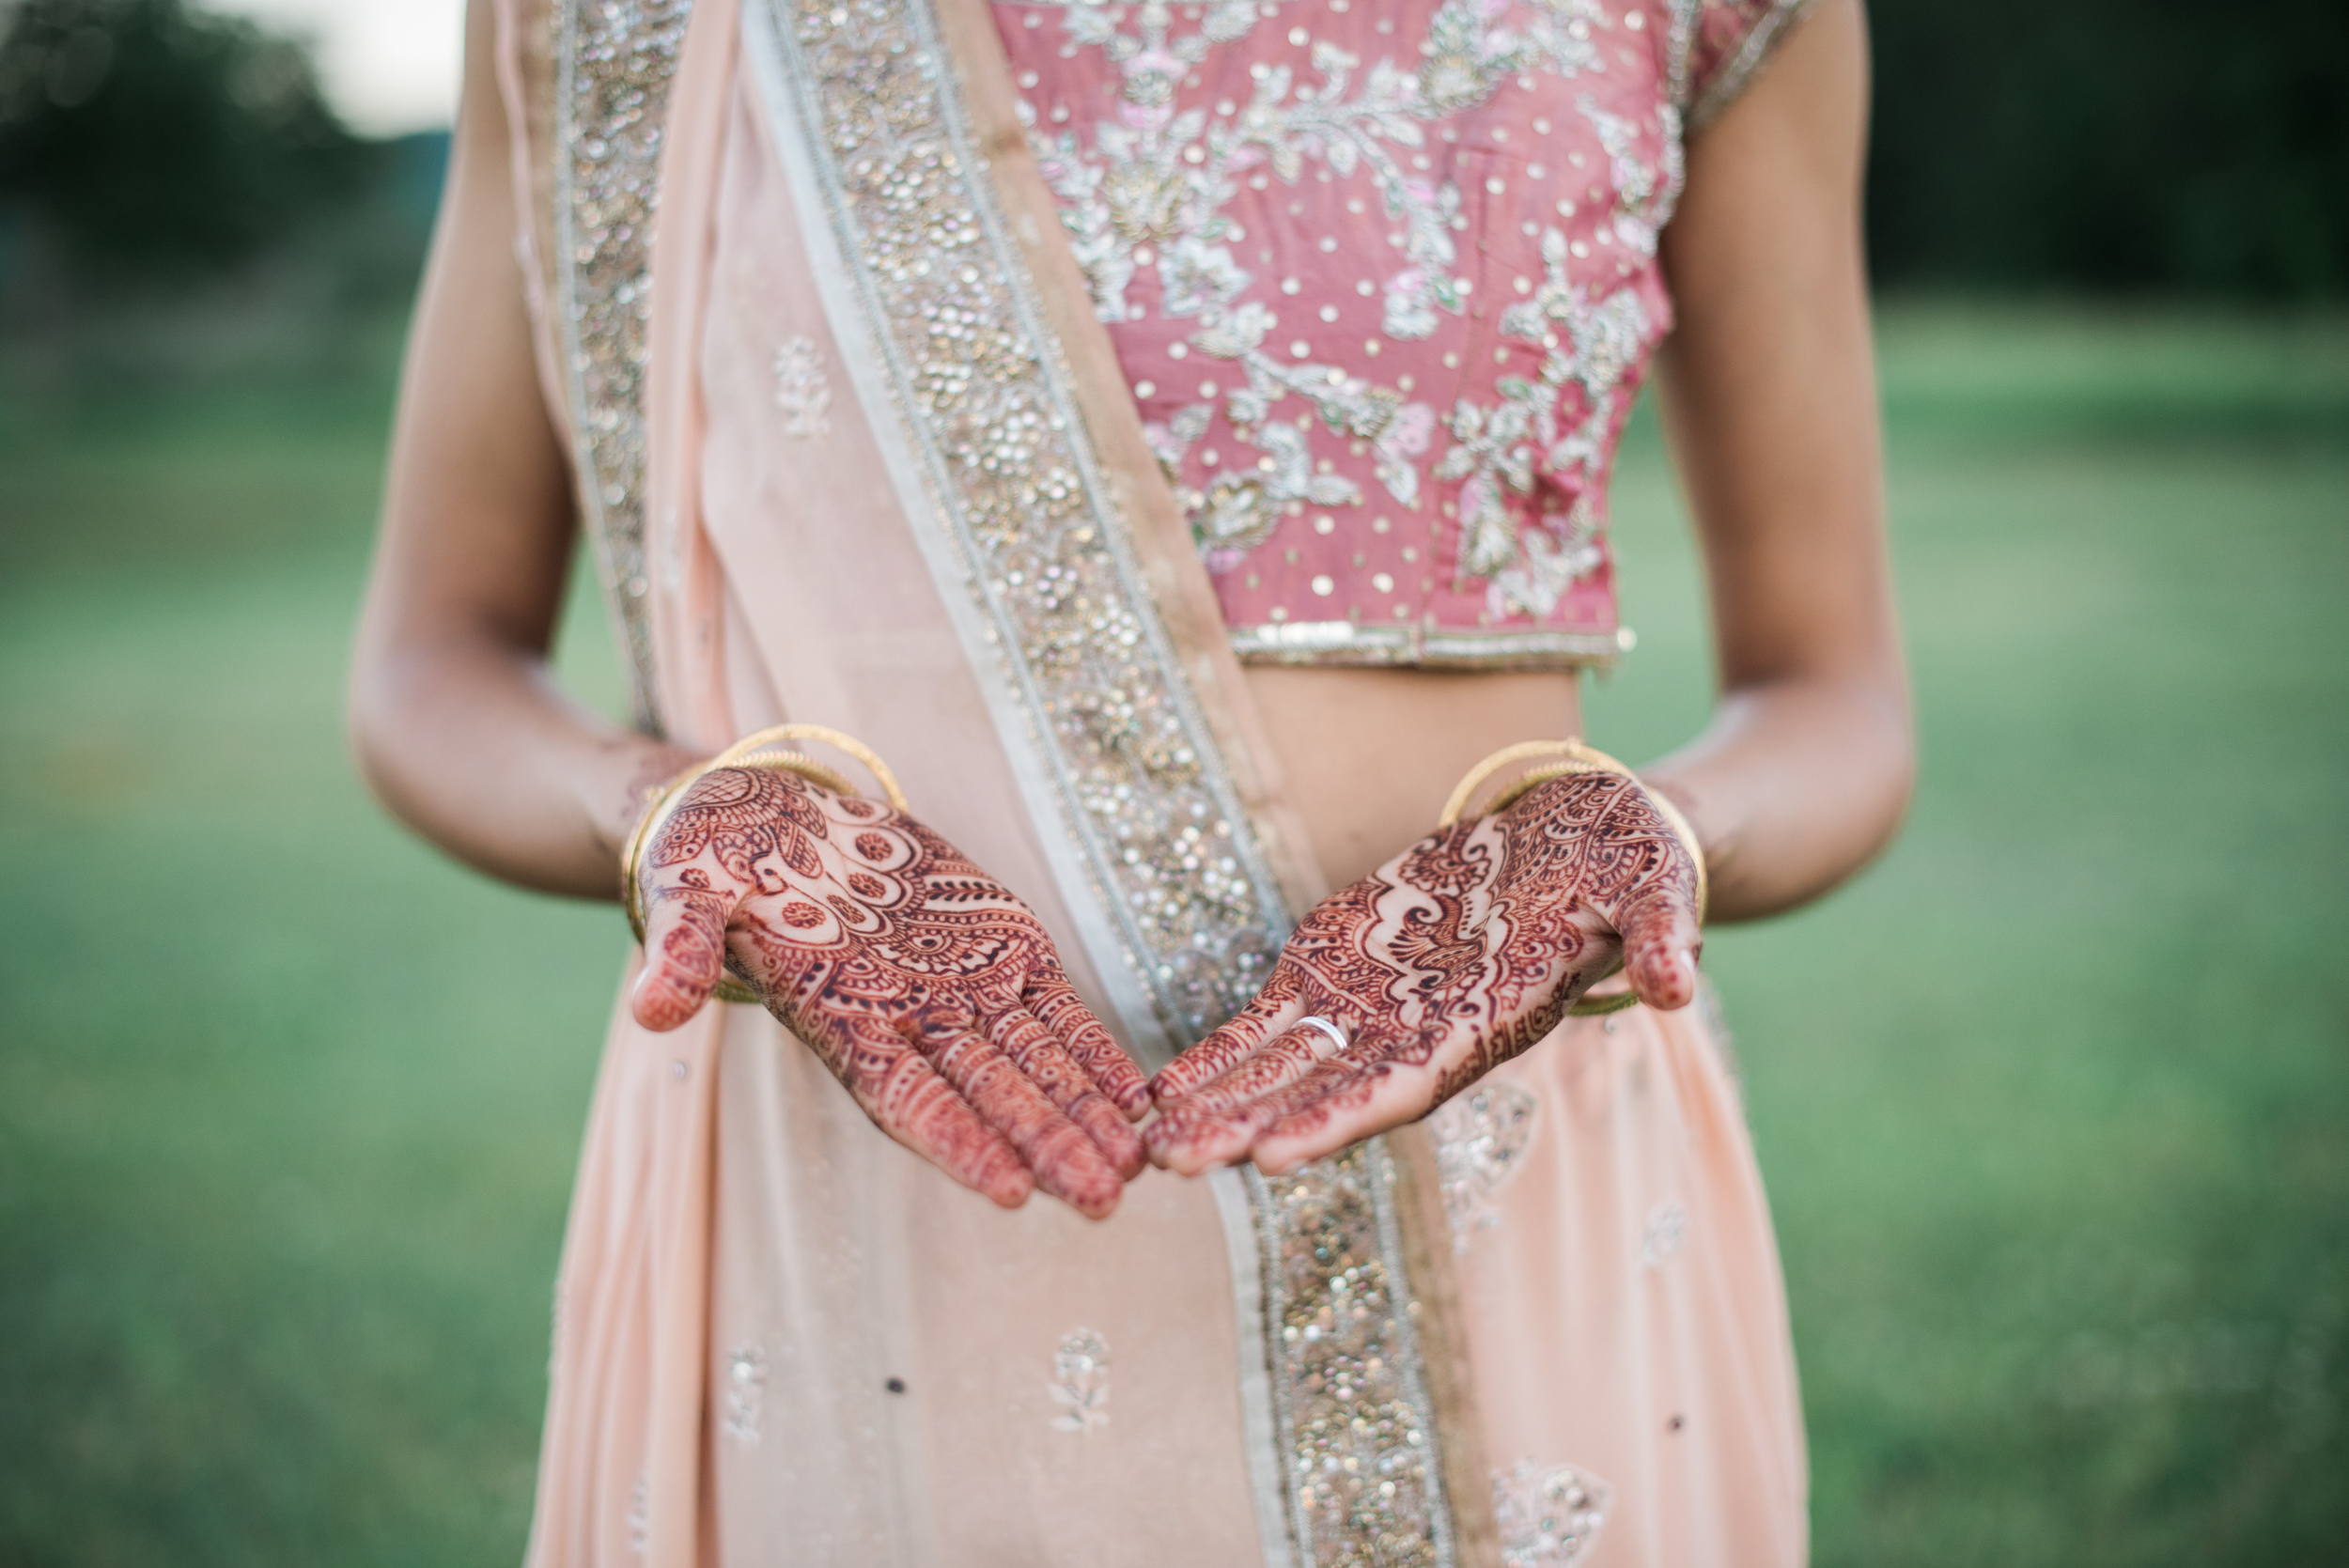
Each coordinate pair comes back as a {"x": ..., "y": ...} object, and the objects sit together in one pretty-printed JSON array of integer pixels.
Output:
[
  {"x": 1364, "y": 1483},
  {"x": 1080, "y": 1382},
  {"x": 746, "y": 1393},
  {"x": 1547, "y": 1519},
  {"x": 1660, "y": 1238},
  {"x": 1480, "y": 1136},
  {"x": 803, "y": 390}
]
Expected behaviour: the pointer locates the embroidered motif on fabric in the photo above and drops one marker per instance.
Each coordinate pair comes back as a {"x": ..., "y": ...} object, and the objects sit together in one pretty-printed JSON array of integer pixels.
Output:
[
  {"x": 640, "y": 1516},
  {"x": 1547, "y": 1519},
  {"x": 1660, "y": 1237},
  {"x": 1481, "y": 1137},
  {"x": 1080, "y": 1382},
  {"x": 615, "y": 60},
  {"x": 1013, "y": 486},
  {"x": 746, "y": 1393},
  {"x": 803, "y": 390}
]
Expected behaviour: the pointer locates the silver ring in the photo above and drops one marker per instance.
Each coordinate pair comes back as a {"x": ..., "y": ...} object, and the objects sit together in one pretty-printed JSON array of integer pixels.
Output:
[{"x": 1314, "y": 1021}]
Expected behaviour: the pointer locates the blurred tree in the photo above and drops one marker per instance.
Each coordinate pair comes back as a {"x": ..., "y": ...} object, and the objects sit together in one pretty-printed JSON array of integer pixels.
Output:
[
  {"x": 2113, "y": 144},
  {"x": 155, "y": 141},
  {"x": 2094, "y": 145}
]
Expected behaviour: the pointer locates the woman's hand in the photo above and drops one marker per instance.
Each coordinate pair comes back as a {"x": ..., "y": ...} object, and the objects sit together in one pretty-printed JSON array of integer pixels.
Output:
[
  {"x": 929, "y": 991},
  {"x": 1445, "y": 962}
]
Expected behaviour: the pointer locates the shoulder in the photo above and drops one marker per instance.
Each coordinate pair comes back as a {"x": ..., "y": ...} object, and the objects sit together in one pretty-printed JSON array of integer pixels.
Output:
[{"x": 1729, "y": 41}]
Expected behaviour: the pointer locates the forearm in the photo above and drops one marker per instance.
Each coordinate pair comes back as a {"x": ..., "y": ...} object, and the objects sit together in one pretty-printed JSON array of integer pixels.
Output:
[
  {"x": 472, "y": 745},
  {"x": 455, "y": 720},
  {"x": 1794, "y": 786},
  {"x": 1769, "y": 398}
]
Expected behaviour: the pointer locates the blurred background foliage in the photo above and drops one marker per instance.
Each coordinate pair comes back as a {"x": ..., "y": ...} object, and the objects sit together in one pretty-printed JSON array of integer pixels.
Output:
[
  {"x": 2053, "y": 1103},
  {"x": 2143, "y": 146}
]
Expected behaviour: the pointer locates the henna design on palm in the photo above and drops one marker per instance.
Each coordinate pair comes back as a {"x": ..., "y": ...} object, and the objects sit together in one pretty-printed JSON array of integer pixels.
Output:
[
  {"x": 930, "y": 991},
  {"x": 1459, "y": 954}
]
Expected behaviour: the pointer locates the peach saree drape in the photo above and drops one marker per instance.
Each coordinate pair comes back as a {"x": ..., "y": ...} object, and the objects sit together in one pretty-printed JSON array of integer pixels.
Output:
[{"x": 854, "y": 451}]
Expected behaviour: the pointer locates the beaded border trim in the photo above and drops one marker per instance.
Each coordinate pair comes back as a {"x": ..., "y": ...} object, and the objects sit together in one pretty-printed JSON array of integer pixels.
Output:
[{"x": 613, "y": 69}]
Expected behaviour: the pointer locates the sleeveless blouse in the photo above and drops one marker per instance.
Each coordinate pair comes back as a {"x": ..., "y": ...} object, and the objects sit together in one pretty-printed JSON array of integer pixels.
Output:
[{"x": 1383, "y": 277}]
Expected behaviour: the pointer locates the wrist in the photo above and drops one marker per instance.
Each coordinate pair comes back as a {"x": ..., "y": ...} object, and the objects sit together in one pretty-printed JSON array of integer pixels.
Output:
[
  {"x": 1564, "y": 767},
  {"x": 619, "y": 806}
]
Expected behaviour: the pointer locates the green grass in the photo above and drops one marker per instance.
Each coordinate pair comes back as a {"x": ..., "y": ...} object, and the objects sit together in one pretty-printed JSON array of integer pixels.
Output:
[{"x": 2054, "y": 1102}]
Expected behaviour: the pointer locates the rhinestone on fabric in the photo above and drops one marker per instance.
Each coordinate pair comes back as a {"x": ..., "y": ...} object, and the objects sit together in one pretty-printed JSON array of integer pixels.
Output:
[
  {"x": 802, "y": 389},
  {"x": 1363, "y": 1471},
  {"x": 1547, "y": 1519},
  {"x": 615, "y": 60},
  {"x": 746, "y": 1393},
  {"x": 1660, "y": 1237},
  {"x": 1080, "y": 1382}
]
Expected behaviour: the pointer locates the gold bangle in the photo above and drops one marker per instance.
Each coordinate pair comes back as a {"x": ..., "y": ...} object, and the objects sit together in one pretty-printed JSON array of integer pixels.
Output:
[
  {"x": 656, "y": 807},
  {"x": 1579, "y": 758},
  {"x": 753, "y": 751}
]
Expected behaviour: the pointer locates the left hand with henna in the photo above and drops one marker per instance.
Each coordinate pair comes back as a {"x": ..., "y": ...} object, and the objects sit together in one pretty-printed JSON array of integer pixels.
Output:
[{"x": 1459, "y": 954}]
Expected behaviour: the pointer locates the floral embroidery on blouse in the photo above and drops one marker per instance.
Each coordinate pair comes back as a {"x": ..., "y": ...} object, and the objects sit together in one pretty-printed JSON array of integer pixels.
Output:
[{"x": 1383, "y": 279}]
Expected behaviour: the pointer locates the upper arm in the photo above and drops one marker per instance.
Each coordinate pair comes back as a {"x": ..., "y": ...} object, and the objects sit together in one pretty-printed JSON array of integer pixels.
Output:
[
  {"x": 1768, "y": 387},
  {"x": 477, "y": 516}
]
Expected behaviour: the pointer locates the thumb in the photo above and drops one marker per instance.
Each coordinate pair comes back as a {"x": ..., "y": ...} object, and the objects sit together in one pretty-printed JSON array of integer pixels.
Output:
[
  {"x": 685, "y": 954},
  {"x": 1661, "y": 943}
]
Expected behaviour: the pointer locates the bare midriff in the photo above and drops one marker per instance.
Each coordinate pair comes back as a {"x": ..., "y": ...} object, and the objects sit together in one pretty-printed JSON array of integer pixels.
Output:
[{"x": 1370, "y": 755}]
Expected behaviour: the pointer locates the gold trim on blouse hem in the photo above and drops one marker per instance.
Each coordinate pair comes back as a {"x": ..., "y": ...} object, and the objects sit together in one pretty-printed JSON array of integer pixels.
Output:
[{"x": 1350, "y": 642}]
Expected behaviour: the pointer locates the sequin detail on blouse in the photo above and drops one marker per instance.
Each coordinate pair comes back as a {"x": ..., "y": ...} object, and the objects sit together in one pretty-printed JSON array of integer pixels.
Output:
[
  {"x": 1383, "y": 278},
  {"x": 1384, "y": 281}
]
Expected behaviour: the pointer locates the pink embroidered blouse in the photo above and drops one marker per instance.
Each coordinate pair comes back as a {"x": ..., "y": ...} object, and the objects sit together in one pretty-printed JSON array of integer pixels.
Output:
[{"x": 1383, "y": 277}]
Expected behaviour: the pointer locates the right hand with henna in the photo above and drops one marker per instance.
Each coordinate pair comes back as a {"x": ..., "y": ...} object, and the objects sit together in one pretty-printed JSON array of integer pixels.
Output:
[{"x": 930, "y": 991}]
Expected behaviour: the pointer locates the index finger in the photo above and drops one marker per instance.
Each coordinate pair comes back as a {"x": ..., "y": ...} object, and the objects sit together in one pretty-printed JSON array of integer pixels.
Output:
[{"x": 1276, "y": 1010}]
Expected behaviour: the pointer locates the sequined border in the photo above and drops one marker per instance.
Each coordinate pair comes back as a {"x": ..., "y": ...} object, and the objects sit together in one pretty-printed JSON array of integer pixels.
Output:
[
  {"x": 1427, "y": 647},
  {"x": 1351, "y": 1404},
  {"x": 1734, "y": 77},
  {"x": 614, "y": 63},
  {"x": 932, "y": 301}
]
